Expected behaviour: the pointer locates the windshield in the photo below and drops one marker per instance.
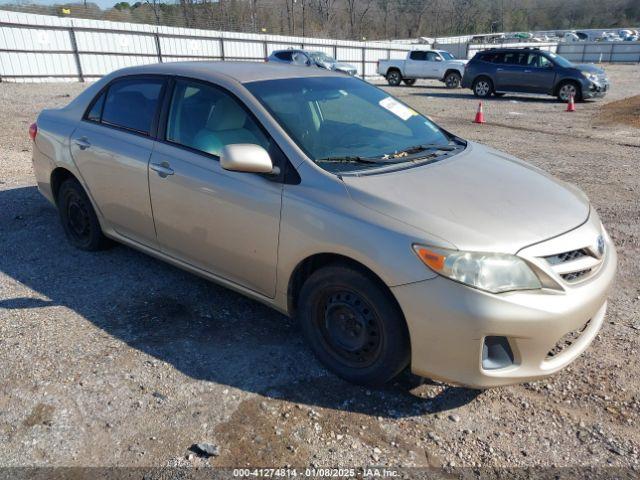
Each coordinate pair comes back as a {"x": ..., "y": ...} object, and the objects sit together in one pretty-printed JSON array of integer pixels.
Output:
[
  {"x": 563, "y": 62},
  {"x": 321, "y": 57},
  {"x": 447, "y": 56},
  {"x": 346, "y": 124}
]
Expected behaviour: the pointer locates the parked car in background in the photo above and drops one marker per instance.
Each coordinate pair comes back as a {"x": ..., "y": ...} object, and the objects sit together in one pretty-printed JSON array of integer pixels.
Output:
[
  {"x": 529, "y": 70},
  {"x": 433, "y": 64},
  {"x": 392, "y": 241},
  {"x": 311, "y": 59}
]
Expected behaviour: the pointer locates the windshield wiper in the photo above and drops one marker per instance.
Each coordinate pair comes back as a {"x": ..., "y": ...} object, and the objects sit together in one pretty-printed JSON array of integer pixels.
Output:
[
  {"x": 347, "y": 159},
  {"x": 406, "y": 155},
  {"x": 428, "y": 146}
]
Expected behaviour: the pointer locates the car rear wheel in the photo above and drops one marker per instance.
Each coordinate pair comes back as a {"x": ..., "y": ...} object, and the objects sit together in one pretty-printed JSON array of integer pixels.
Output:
[
  {"x": 452, "y": 80},
  {"x": 568, "y": 89},
  {"x": 394, "y": 78},
  {"x": 353, "y": 325},
  {"x": 409, "y": 81},
  {"x": 79, "y": 219},
  {"x": 482, "y": 87}
]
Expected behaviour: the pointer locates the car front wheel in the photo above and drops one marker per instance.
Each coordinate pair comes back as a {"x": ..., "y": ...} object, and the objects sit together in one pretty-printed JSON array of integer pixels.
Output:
[
  {"x": 567, "y": 90},
  {"x": 394, "y": 78},
  {"x": 482, "y": 87},
  {"x": 353, "y": 325},
  {"x": 79, "y": 219}
]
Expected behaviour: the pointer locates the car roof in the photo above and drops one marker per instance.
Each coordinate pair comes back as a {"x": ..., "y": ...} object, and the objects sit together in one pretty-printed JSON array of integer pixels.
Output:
[
  {"x": 511, "y": 49},
  {"x": 242, "y": 72}
]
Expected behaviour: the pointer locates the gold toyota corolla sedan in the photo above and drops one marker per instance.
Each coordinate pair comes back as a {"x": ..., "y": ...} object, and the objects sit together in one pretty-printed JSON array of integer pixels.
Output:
[{"x": 394, "y": 242}]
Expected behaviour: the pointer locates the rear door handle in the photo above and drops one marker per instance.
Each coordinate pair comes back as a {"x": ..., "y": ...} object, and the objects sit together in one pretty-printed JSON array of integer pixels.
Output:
[
  {"x": 82, "y": 142},
  {"x": 499, "y": 69},
  {"x": 163, "y": 169},
  {"x": 527, "y": 71}
]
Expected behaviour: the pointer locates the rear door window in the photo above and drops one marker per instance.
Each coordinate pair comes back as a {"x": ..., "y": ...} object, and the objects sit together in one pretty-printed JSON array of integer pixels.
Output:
[
  {"x": 132, "y": 104},
  {"x": 418, "y": 55}
]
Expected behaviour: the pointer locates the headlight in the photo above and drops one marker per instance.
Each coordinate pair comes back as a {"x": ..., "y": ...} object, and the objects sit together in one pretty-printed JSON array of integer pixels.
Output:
[
  {"x": 591, "y": 76},
  {"x": 493, "y": 272}
]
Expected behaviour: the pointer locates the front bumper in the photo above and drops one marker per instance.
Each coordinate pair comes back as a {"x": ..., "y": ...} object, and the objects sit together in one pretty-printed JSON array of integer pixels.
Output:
[
  {"x": 448, "y": 323},
  {"x": 591, "y": 89}
]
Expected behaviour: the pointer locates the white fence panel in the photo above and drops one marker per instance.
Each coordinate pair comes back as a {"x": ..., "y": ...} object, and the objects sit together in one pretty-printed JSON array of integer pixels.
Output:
[
  {"x": 238, "y": 49},
  {"x": 99, "y": 65},
  {"x": 34, "y": 47},
  {"x": 16, "y": 38},
  {"x": 115, "y": 42},
  {"x": 628, "y": 52},
  {"x": 195, "y": 47},
  {"x": 37, "y": 64}
]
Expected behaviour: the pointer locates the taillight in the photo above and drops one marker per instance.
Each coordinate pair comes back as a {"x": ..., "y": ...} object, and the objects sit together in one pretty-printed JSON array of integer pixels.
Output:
[{"x": 33, "y": 131}]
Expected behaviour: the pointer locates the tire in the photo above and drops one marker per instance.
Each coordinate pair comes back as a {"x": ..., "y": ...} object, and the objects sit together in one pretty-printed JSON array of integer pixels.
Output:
[
  {"x": 394, "y": 77},
  {"x": 409, "y": 81},
  {"x": 354, "y": 326},
  {"x": 482, "y": 87},
  {"x": 567, "y": 88},
  {"x": 79, "y": 219},
  {"x": 453, "y": 80}
]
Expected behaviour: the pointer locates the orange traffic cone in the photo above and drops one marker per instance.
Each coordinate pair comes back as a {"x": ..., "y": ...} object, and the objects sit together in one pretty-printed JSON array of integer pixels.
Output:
[
  {"x": 479, "y": 114},
  {"x": 571, "y": 106}
]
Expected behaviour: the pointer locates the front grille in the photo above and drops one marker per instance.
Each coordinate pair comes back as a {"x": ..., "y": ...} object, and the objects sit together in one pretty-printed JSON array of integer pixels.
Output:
[
  {"x": 566, "y": 341},
  {"x": 573, "y": 276},
  {"x": 566, "y": 256}
]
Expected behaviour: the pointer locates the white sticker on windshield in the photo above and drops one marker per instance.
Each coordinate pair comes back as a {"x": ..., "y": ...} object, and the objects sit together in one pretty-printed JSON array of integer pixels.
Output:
[{"x": 398, "y": 109}]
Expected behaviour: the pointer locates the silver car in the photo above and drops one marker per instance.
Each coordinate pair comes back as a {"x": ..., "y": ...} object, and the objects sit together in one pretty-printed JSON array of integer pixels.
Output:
[{"x": 394, "y": 242}]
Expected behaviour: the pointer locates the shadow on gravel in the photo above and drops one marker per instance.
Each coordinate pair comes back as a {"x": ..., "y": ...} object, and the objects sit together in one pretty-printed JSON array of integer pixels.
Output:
[
  {"x": 447, "y": 93},
  {"x": 205, "y": 331}
]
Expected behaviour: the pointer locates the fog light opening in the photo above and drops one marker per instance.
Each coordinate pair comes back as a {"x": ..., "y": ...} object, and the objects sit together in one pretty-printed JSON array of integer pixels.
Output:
[{"x": 496, "y": 353}]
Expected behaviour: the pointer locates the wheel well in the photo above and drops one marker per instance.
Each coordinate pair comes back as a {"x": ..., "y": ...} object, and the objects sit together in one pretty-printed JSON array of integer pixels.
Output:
[
  {"x": 479, "y": 77},
  {"x": 394, "y": 69},
  {"x": 58, "y": 176},
  {"x": 315, "y": 262},
  {"x": 452, "y": 70}
]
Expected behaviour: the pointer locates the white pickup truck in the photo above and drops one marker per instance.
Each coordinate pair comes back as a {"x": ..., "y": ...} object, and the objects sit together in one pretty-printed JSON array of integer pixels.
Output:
[{"x": 436, "y": 64}]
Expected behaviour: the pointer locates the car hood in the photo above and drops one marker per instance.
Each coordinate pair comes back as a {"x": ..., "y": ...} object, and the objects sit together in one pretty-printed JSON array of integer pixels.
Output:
[
  {"x": 589, "y": 67},
  {"x": 458, "y": 61},
  {"x": 478, "y": 200},
  {"x": 343, "y": 66}
]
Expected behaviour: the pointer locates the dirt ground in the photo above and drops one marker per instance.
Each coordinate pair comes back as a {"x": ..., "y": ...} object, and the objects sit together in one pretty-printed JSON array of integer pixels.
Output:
[
  {"x": 622, "y": 112},
  {"x": 115, "y": 358}
]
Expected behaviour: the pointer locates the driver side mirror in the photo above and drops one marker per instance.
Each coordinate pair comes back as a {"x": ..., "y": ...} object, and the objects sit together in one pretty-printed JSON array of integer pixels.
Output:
[
  {"x": 245, "y": 157},
  {"x": 438, "y": 59}
]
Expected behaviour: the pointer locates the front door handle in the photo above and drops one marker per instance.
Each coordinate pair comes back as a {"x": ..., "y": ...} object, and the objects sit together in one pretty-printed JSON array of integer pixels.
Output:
[
  {"x": 82, "y": 142},
  {"x": 499, "y": 69},
  {"x": 527, "y": 71},
  {"x": 163, "y": 169}
]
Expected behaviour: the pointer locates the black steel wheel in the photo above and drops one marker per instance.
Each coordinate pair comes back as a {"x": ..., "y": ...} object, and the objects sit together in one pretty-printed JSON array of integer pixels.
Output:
[
  {"x": 354, "y": 325},
  {"x": 78, "y": 217}
]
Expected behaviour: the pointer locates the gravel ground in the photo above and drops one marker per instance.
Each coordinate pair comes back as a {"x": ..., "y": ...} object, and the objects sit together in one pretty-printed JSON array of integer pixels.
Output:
[{"x": 115, "y": 358}]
